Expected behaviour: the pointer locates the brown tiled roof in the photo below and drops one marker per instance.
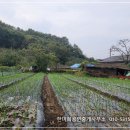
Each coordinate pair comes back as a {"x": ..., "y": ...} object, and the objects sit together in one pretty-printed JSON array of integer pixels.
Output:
[
  {"x": 113, "y": 59},
  {"x": 113, "y": 65}
]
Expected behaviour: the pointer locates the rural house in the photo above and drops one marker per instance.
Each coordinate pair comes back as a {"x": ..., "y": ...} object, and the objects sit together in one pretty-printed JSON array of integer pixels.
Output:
[
  {"x": 114, "y": 59},
  {"x": 112, "y": 66},
  {"x": 59, "y": 68},
  {"x": 107, "y": 70}
]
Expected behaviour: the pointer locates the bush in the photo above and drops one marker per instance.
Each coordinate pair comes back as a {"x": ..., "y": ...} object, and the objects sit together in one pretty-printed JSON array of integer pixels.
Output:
[{"x": 80, "y": 73}]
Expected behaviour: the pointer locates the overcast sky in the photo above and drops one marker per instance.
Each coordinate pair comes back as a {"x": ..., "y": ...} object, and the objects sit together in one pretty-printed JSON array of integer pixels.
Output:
[{"x": 94, "y": 25}]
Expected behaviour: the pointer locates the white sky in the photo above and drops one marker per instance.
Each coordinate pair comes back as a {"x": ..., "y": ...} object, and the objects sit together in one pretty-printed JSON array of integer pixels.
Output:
[{"x": 94, "y": 25}]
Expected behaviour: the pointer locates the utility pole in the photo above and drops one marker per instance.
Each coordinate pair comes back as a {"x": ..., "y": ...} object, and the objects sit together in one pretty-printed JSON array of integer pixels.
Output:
[{"x": 110, "y": 52}]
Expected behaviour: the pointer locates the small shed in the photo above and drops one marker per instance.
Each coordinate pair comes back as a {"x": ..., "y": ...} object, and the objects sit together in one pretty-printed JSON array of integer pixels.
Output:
[{"x": 59, "y": 68}]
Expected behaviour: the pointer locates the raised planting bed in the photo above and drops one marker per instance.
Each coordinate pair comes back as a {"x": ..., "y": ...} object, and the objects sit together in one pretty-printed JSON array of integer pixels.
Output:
[
  {"x": 52, "y": 109},
  {"x": 14, "y": 81},
  {"x": 18, "y": 116},
  {"x": 79, "y": 101},
  {"x": 120, "y": 96},
  {"x": 20, "y": 104},
  {"x": 109, "y": 87}
]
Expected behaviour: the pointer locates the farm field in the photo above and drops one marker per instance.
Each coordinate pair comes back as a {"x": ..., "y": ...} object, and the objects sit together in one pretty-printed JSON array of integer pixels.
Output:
[
  {"x": 8, "y": 73},
  {"x": 19, "y": 102},
  {"x": 117, "y": 87},
  {"x": 78, "y": 101},
  {"x": 4, "y": 80},
  {"x": 64, "y": 65}
]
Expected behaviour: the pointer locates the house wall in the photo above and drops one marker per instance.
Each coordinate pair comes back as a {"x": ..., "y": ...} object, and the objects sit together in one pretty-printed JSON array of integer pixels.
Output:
[
  {"x": 121, "y": 72},
  {"x": 101, "y": 72}
]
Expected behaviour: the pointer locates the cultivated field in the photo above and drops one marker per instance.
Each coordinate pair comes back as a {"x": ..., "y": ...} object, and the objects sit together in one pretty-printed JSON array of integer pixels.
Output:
[
  {"x": 19, "y": 102},
  {"x": 71, "y": 100},
  {"x": 79, "y": 99}
]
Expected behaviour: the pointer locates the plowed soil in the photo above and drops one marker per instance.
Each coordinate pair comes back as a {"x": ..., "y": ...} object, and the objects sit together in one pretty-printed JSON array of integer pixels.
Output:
[{"x": 52, "y": 109}]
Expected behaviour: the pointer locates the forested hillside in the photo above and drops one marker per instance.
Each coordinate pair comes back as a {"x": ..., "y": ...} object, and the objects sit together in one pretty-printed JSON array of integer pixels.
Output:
[{"x": 26, "y": 48}]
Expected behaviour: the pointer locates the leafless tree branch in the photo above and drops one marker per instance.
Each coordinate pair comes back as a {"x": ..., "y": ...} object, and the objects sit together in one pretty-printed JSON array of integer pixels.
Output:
[{"x": 123, "y": 48}]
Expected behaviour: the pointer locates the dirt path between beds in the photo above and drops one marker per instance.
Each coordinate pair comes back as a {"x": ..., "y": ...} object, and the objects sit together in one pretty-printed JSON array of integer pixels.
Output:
[{"x": 52, "y": 110}]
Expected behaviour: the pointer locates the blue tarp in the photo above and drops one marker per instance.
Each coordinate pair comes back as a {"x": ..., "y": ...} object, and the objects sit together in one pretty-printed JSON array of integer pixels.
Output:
[
  {"x": 90, "y": 65},
  {"x": 75, "y": 66}
]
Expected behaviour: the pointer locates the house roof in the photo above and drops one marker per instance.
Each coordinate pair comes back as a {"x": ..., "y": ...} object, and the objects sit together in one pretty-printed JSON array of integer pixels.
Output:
[
  {"x": 111, "y": 65},
  {"x": 90, "y": 65},
  {"x": 113, "y": 59}
]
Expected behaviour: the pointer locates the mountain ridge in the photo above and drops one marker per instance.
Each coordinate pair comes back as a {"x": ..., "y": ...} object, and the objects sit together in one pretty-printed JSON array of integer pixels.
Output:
[{"x": 18, "y": 39}]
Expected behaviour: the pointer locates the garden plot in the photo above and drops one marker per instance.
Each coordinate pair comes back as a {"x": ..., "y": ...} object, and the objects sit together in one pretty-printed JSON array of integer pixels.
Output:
[
  {"x": 5, "y": 73},
  {"x": 79, "y": 101},
  {"x": 18, "y": 103},
  {"x": 116, "y": 87},
  {"x": 8, "y": 80}
]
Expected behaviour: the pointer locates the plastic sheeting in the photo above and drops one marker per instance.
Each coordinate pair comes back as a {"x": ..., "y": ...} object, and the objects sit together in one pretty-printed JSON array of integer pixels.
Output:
[{"x": 75, "y": 66}]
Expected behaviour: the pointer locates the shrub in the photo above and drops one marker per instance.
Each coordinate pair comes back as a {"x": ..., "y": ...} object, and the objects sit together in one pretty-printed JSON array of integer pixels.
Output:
[{"x": 80, "y": 73}]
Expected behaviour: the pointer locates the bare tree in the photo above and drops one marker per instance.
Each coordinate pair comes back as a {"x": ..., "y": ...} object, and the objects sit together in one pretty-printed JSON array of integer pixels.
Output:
[{"x": 123, "y": 48}]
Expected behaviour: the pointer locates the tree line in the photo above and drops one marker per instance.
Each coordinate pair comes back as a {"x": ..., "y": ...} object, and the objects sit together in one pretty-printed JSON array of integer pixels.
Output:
[{"x": 20, "y": 47}]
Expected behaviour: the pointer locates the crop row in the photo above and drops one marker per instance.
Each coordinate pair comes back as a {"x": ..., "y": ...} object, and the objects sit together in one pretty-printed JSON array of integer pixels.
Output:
[
  {"x": 19, "y": 102},
  {"x": 80, "y": 101},
  {"x": 8, "y": 80},
  {"x": 111, "y": 86},
  {"x": 9, "y": 73}
]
